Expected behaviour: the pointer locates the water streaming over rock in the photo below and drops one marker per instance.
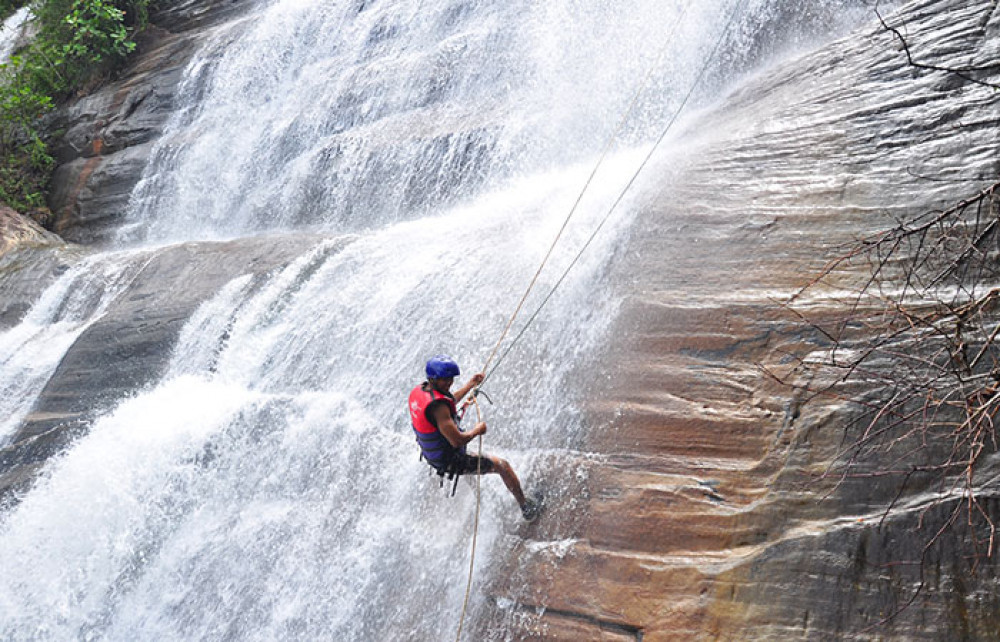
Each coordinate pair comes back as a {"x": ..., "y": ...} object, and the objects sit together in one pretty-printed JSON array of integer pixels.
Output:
[
  {"x": 267, "y": 485},
  {"x": 350, "y": 115},
  {"x": 11, "y": 31},
  {"x": 31, "y": 350}
]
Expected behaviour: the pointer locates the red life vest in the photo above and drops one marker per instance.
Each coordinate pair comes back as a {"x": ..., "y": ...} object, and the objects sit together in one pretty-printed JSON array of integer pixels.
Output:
[{"x": 436, "y": 448}]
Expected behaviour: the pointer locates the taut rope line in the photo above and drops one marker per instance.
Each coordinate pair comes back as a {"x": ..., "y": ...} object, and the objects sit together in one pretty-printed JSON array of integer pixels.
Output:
[
  {"x": 600, "y": 161},
  {"x": 618, "y": 200},
  {"x": 510, "y": 322}
]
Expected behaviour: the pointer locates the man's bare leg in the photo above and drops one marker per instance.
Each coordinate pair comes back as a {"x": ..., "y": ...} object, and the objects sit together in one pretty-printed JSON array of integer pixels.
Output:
[{"x": 509, "y": 477}]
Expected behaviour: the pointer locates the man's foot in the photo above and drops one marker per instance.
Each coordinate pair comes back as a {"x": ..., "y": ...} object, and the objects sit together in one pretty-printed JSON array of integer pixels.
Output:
[{"x": 532, "y": 507}]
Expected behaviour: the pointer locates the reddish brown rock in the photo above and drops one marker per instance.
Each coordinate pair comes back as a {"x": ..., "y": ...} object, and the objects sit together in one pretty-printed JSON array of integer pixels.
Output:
[{"x": 705, "y": 513}]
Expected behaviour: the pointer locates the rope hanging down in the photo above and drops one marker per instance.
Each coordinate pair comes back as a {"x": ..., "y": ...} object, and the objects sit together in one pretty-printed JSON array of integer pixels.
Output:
[
  {"x": 611, "y": 210},
  {"x": 510, "y": 322},
  {"x": 475, "y": 525},
  {"x": 586, "y": 185}
]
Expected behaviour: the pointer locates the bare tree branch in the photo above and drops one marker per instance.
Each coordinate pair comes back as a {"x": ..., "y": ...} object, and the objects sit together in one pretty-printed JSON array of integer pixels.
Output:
[
  {"x": 916, "y": 353},
  {"x": 962, "y": 72}
]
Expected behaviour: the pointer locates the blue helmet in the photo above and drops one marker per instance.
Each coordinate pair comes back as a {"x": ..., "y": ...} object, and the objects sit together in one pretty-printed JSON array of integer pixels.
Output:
[{"x": 441, "y": 367}]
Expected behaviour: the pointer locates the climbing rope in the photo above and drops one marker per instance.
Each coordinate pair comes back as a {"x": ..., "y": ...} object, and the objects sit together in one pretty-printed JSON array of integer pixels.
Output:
[
  {"x": 586, "y": 185},
  {"x": 534, "y": 279},
  {"x": 475, "y": 527},
  {"x": 611, "y": 210}
]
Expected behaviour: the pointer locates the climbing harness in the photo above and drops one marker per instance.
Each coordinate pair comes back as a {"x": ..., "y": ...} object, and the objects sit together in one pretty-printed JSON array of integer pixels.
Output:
[
  {"x": 488, "y": 372},
  {"x": 445, "y": 472}
]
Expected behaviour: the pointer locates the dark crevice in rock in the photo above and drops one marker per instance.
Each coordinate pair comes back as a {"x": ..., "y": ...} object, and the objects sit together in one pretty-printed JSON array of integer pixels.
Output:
[{"x": 599, "y": 627}]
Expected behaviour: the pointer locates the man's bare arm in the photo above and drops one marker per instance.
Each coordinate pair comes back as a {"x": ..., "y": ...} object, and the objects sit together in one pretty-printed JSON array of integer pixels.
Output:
[
  {"x": 472, "y": 383},
  {"x": 450, "y": 430}
]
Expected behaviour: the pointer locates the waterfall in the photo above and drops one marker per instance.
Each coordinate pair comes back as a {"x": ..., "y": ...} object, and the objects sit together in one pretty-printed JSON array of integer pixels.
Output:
[
  {"x": 12, "y": 29},
  {"x": 267, "y": 486},
  {"x": 416, "y": 105},
  {"x": 31, "y": 350},
  {"x": 412, "y": 105}
]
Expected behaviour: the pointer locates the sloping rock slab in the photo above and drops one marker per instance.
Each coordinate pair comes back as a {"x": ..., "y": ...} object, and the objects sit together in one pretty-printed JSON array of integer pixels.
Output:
[
  {"x": 24, "y": 274},
  {"x": 19, "y": 231},
  {"x": 130, "y": 345},
  {"x": 27, "y": 263}
]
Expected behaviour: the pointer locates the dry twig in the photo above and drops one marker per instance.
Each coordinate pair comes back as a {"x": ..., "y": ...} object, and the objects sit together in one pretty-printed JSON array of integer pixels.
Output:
[{"x": 917, "y": 352}]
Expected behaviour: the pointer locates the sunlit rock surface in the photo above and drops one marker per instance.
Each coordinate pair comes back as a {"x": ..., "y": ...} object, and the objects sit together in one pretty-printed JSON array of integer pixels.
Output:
[
  {"x": 19, "y": 231},
  {"x": 694, "y": 510},
  {"x": 706, "y": 518}
]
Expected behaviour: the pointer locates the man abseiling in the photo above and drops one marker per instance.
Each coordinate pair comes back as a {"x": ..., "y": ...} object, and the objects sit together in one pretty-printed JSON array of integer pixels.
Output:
[{"x": 435, "y": 419}]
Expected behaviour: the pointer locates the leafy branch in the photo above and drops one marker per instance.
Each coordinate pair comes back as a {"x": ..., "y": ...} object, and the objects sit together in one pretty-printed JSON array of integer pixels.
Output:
[{"x": 76, "y": 42}]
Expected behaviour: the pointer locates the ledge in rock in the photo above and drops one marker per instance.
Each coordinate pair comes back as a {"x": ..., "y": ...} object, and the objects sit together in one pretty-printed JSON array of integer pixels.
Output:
[{"x": 17, "y": 230}]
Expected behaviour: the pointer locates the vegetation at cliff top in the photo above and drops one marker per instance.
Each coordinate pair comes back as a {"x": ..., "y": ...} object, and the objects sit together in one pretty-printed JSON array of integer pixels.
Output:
[{"x": 73, "y": 43}]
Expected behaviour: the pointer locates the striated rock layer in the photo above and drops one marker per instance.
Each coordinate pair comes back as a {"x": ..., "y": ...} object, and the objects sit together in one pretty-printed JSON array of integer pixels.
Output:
[
  {"x": 706, "y": 516},
  {"x": 697, "y": 513}
]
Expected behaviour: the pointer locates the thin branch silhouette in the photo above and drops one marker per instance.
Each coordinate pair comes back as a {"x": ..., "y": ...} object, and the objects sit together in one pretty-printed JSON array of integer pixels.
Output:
[
  {"x": 914, "y": 354},
  {"x": 961, "y": 72}
]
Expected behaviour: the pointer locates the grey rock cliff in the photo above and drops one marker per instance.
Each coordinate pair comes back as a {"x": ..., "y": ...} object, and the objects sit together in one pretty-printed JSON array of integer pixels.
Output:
[
  {"x": 130, "y": 345},
  {"x": 109, "y": 133}
]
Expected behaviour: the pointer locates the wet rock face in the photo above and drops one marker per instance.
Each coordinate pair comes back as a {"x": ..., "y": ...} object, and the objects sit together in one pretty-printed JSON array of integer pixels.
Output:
[
  {"x": 109, "y": 134},
  {"x": 130, "y": 345},
  {"x": 26, "y": 250},
  {"x": 31, "y": 269},
  {"x": 706, "y": 513},
  {"x": 19, "y": 231}
]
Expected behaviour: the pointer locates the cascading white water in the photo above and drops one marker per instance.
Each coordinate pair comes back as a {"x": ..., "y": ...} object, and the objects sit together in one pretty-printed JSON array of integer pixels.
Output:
[
  {"x": 10, "y": 32},
  {"x": 267, "y": 487},
  {"x": 410, "y": 105},
  {"x": 31, "y": 350}
]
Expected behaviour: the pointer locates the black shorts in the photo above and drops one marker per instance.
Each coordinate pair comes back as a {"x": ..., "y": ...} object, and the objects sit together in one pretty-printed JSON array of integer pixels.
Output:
[{"x": 465, "y": 464}]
